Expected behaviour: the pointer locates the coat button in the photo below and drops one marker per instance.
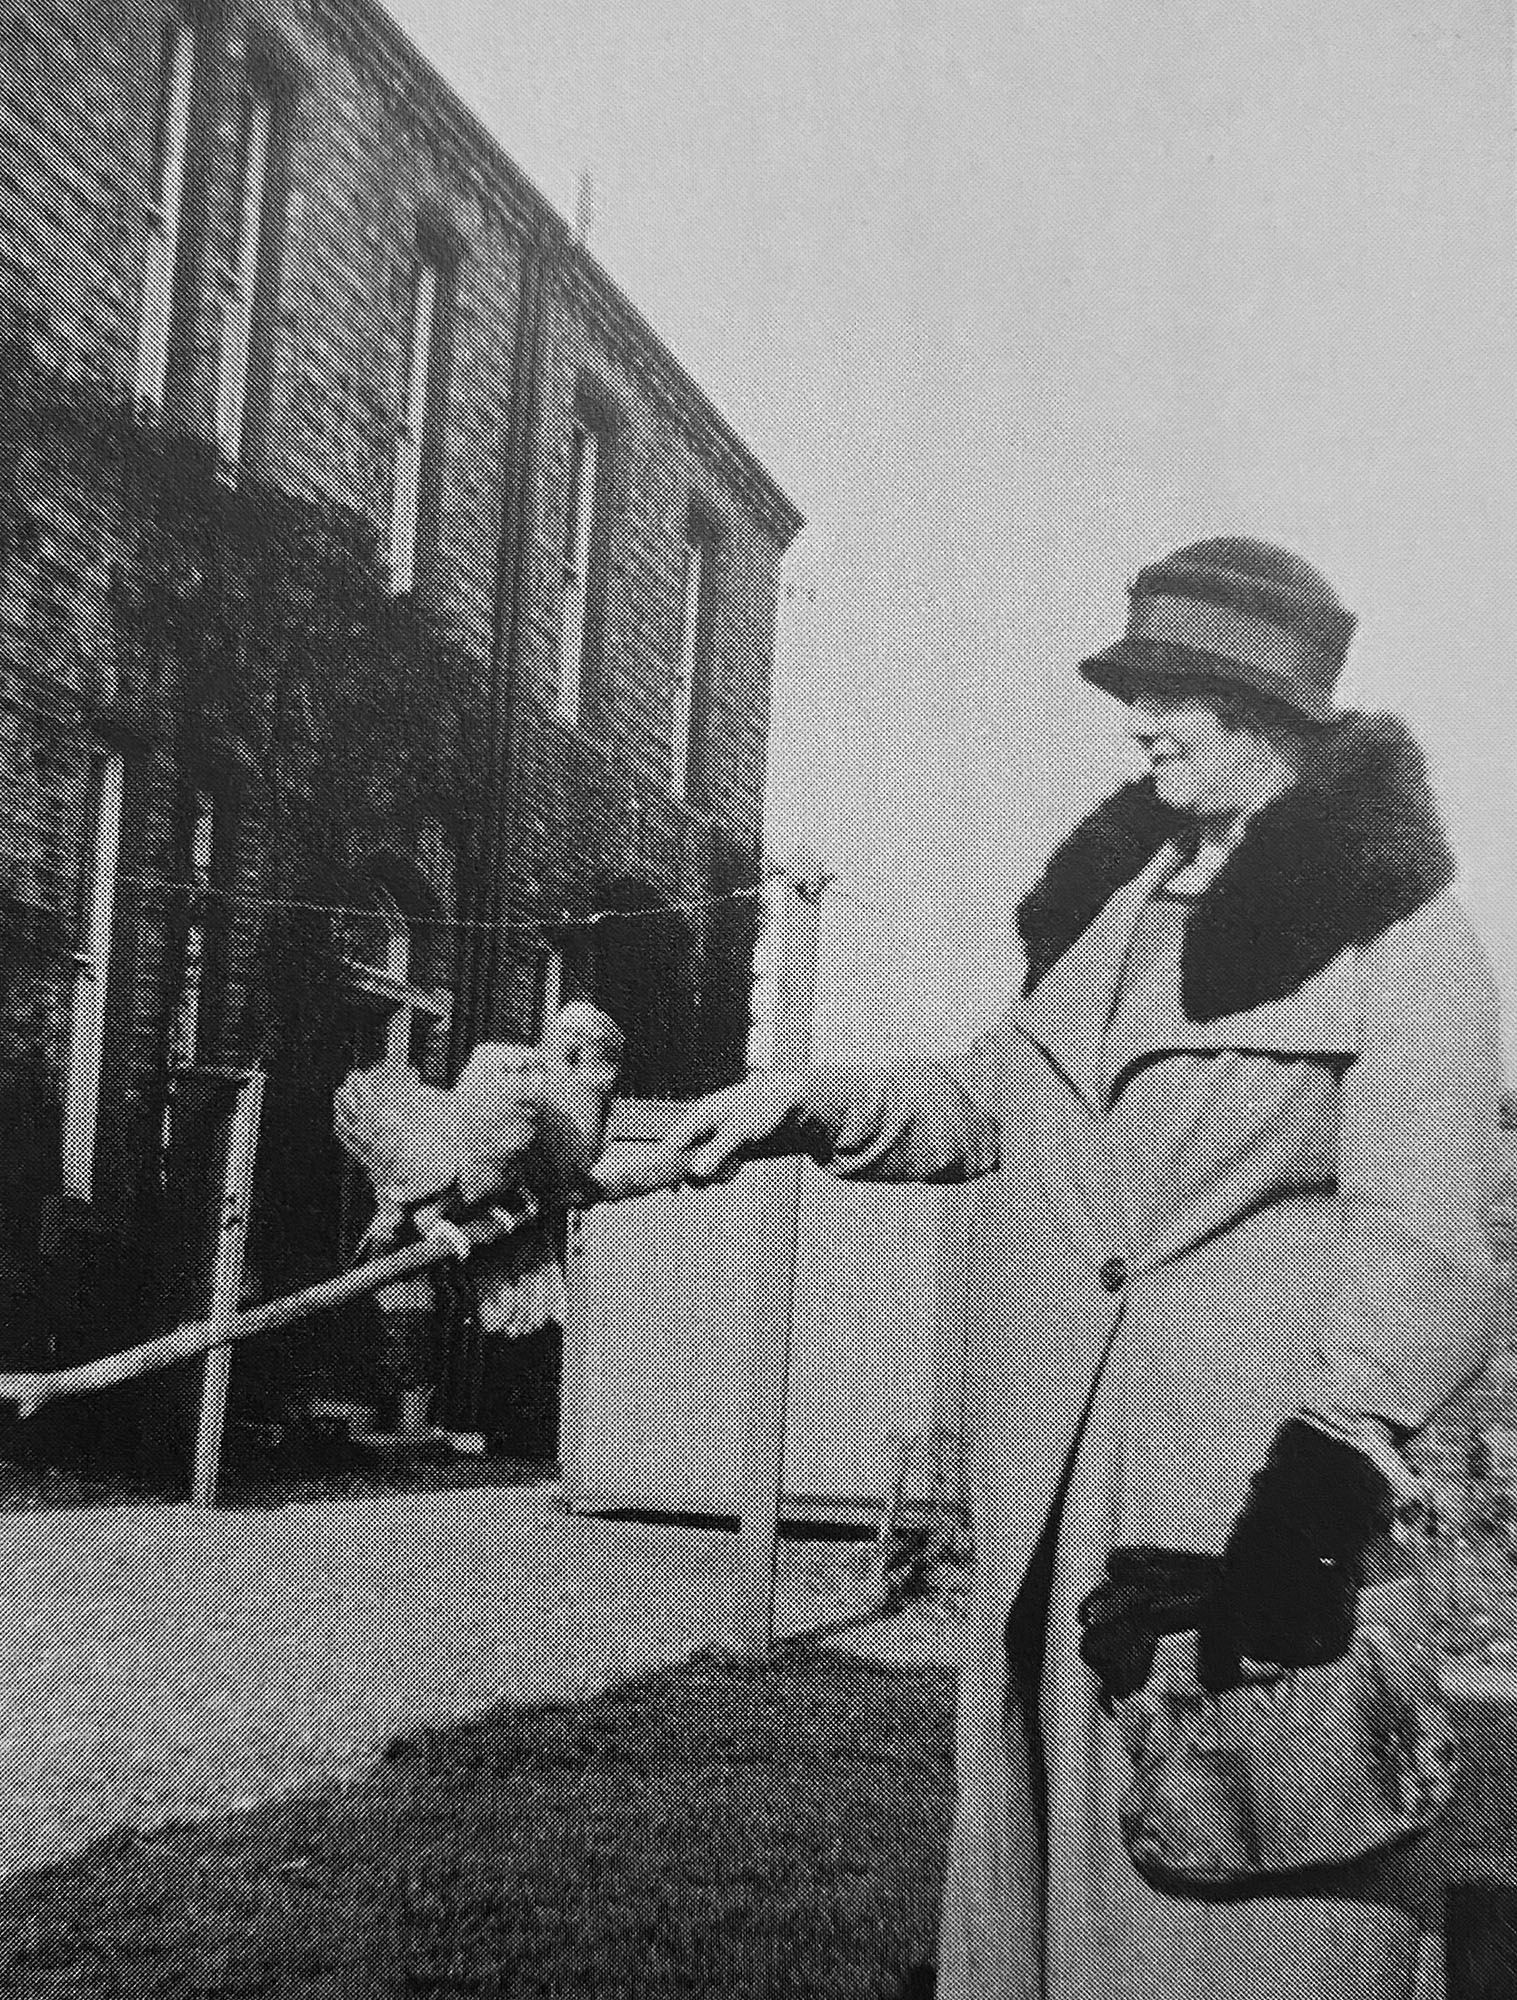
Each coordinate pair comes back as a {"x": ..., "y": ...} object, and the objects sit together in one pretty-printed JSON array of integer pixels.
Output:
[{"x": 1113, "y": 1274}]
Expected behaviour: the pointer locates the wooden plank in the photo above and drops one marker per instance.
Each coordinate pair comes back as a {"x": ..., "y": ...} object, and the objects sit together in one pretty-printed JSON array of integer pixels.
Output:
[
  {"x": 770, "y": 1309},
  {"x": 784, "y": 1006},
  {"x": 238, "y": 1152},
  {"x": 651, "y": 1416}
]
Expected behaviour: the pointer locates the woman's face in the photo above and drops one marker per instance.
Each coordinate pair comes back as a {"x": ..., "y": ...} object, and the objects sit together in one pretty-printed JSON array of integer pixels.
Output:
[{"x": 1199, "y": 764}]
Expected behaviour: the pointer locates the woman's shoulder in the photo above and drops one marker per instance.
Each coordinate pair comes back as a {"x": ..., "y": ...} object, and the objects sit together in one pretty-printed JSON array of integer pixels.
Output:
[
  {"x": 1430, "y": 955},
  {"x": 1439, "y": 928}
]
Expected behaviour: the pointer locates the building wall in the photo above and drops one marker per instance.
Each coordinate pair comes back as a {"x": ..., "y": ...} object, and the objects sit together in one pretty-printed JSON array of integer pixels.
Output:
[
  {"x": 617, "y": 770},
  {"x": 659, "y": 471},
  {"x": 372, "y": 162},
  {"x": 367, "y": 182}
]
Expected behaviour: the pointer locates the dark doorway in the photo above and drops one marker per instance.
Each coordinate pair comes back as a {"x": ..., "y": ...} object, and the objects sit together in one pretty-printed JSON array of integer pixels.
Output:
[
  {"x": 635, "y": 963},
  {"x": 310, "y": 1207}
]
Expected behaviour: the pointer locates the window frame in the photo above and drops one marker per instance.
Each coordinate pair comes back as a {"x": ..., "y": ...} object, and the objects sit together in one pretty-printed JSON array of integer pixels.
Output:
[
  {"x": 550, "y": 984},
  {"x": 391, "y": 982},
  {"x": 692, "y": 688},
  {"x": 249, "y": 270},
  {"x": 85, "y": 1046},
  {"x": 206, "y": 834},
  {"x": 584, "y": 557},
  {"x": 411, "y": 534},
  {"x": 160, "y": 301}
]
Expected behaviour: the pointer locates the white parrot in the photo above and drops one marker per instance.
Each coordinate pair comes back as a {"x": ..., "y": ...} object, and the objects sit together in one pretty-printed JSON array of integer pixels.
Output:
[{"x": 492, "y": 1165}]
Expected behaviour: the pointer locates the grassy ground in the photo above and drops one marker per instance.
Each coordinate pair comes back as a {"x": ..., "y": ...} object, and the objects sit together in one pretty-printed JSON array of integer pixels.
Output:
[{"x": 720, "y": 1830}]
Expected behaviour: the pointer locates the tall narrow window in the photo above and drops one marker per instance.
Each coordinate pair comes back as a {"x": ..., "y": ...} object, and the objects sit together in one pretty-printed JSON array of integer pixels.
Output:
[
  {"x": 550, "y": 985},
  {"x": 397, "y": 966},
  {"x": 165, "y": 207},
  {"x": 695, "y": 639},
  {"x": 186, "y": 1039},
  {"x": 417, "y": 445},
  {"x": 86, "y": 1029},
  {"x": 376, "y": 953},
  {"x": 586, "y": 478},
  {"x": 244, "y": 278}
]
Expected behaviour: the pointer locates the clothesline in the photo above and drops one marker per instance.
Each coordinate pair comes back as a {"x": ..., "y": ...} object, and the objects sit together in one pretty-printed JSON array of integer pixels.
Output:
[
  {"x": 825, "y": 885},
  {"x": 563, "y": 921}
]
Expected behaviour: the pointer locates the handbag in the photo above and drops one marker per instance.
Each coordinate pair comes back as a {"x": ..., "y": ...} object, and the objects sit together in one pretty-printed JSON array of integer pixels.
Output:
[{"x": 1295, "y": 1769}]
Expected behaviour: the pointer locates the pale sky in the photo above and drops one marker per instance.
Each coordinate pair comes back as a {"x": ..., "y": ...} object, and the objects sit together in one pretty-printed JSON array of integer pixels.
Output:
[{"x": 1013, "y": 296}]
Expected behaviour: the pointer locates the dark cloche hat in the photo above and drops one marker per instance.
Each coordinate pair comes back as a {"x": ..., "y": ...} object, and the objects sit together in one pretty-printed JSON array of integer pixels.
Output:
[{"x": 1231, "y": 613}]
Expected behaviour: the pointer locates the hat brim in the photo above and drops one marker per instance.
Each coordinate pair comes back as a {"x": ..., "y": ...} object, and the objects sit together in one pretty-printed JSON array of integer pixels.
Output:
[{"x": 1134, "y": 667}]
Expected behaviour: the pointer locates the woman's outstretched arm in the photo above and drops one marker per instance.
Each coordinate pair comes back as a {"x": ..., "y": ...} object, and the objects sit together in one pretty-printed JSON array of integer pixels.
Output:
[
  {"x": 914, "y": 1121},
  {"x": 711, "y": 1137}
]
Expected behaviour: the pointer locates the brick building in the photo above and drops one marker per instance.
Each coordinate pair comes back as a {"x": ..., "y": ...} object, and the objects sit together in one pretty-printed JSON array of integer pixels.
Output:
[{"x": 378, "y": 599}]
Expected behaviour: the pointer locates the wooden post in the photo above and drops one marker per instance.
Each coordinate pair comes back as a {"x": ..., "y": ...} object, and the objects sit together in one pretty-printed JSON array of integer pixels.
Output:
[
  {"x": 238, "y": 1148},
  {"x": 784, "y": 1004}
]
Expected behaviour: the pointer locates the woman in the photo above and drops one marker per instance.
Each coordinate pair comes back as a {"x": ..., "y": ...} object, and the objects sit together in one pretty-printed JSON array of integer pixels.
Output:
[{"x": 1238, "y": 1136}]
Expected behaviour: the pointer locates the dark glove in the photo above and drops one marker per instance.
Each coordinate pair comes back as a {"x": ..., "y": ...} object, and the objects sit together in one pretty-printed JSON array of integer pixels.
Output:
[
  {"x": 1293, "y": 1563},
  {"x": 1148, "y": 1593}
]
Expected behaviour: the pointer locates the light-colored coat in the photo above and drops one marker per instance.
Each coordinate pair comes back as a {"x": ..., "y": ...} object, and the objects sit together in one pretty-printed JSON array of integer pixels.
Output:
[{"x": 1273, "y": 1211}]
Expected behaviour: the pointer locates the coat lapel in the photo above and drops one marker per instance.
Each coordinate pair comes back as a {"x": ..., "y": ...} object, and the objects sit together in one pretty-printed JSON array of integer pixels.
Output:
[
  {"x": 1320, "y": 1018},
  {"x": 1351, "y": 848},
  {"x": 1067, "y": 1013}
]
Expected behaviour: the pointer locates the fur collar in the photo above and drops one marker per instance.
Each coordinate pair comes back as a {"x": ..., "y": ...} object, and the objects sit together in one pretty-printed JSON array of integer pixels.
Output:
[{"x": 1352, "y": 847}]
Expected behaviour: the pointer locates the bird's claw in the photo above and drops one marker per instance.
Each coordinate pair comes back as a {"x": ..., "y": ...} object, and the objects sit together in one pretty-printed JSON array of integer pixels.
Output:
[{"x": 438, "y": 1230}]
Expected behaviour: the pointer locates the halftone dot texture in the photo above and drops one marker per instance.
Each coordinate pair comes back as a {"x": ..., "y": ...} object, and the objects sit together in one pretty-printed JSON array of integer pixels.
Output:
[
  {"x": 1235, "y": 1218},
  {"x": 768, "y": 1831},
  {"x": 1231, "y": 613},
  {"x": 353, "y": 825},
  {"x": 495, "y": 795},
  {"x": 323, "y": 819}
]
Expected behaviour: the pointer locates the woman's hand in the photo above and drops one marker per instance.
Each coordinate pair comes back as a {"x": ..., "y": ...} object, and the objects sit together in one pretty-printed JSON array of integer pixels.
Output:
[
  {"x": 1293, "y": 1562},
  {"x": 709, "y": 1140},
  {"x": 1147, "y": 1597},
  {"x": 746, "y": 1121}
]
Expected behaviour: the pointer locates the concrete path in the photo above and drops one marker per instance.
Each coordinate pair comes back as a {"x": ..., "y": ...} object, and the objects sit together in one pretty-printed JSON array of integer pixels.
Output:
[{"x": 161, "y": 1663}]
